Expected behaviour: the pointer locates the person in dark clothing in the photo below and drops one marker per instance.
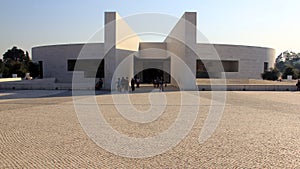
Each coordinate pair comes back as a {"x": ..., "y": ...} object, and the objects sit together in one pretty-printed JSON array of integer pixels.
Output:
[
  {"x": 99, "y": 84},
  {"x": 161, "y": 84},
  {"x": 138, "y": 81},
  {"x": 298, "y": 85},
  {"x": 132, "y": 83},
  {"x": 157, "y": 81},
  {"x": 119, "y": 88},
  {"x": 127, "y": 84},
  {"x": 154, "y": 83}
]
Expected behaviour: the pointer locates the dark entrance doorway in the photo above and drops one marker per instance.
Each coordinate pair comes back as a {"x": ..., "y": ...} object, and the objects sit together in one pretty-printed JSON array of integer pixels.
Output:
[
  {"x": 149, "y": 69},
  {"x": 41, "y": 70},
  {"x": 149, "y": 75}
]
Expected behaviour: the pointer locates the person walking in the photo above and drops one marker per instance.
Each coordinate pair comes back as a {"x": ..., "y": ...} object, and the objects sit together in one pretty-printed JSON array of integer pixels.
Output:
[
  {"x": 298, "y": 85},
  {"x": 154, "y": 83},
  {"x": 99, "y": 84},
  {"x": 161, "y": 84},
  {"x": 138, "y": 81},
  {"x": 132, "y": 83},
  {"x": 126, "y": 84},
  {"x": 119, "y": 85}
]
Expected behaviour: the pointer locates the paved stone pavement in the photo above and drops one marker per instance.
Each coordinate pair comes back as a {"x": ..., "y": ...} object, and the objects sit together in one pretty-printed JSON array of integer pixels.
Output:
[{"x": 257, "y": 130}]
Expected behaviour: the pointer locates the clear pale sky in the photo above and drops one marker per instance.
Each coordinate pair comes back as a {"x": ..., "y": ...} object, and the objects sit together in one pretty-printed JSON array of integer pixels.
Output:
[{"x": 267, "y": 23}]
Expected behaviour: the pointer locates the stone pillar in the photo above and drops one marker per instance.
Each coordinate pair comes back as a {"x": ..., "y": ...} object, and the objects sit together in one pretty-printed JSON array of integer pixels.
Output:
[{"x": 109, "y": 48}]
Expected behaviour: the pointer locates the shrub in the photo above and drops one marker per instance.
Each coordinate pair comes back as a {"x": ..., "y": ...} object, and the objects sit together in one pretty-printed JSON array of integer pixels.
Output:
[{"x": 272, "y": 74}]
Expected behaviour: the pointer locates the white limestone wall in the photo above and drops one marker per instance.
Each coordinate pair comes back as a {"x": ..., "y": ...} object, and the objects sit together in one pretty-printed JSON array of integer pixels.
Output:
[
  {"x": 55, "y": 58},
  {"x": 183, "y": 36},
  {"x": 124, "y": 60},
  {"x": 251, "y": 59},
  {"x": 153, "y": 50},
  {"x": 120, "y": 44},
  {"x": 109, "y": 47},
  {"x": 126, "y": 38}
]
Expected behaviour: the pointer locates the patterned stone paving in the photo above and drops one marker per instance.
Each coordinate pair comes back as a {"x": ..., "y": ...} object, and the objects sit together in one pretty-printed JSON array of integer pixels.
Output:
[{"x": 258, "y": 129}]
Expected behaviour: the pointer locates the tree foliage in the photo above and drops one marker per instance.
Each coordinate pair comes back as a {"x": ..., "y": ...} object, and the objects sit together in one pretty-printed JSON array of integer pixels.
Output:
[
  {"x": 2, "y": 67},
  {"x": 288, "y": 63},
  {"x": 290, "y": 70},
  {"x": 16, "y": 54},
  {"x": 16, "y": 61}
]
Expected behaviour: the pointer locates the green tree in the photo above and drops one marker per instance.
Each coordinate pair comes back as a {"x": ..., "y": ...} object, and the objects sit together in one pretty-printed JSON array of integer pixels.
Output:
[
  {"x": 290, "y": 70},
  {"x": 16, "y": 62},
  {"x": 280, "y": 66},
  {"x": 2, "y": 67},
  {"x": 297, "y": 66},
  {"x": 16, "y": 54},
  {"x": 288, "y": 63}
]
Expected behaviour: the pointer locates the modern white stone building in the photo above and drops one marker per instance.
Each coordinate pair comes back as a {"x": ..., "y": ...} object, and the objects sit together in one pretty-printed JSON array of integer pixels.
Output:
[{"x": 179, "y": 59}]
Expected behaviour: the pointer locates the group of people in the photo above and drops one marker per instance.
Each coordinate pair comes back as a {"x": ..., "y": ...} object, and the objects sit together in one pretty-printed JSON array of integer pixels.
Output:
[{"x": 123, "y": 84}]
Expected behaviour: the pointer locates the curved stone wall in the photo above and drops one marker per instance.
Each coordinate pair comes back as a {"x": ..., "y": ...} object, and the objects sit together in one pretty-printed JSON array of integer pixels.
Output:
[
  {"x": 55, "y": 58},
  {"x": 251, "y": 59}
]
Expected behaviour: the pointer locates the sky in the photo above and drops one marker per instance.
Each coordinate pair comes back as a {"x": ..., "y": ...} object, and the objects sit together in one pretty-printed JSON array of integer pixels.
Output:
[{"x": 265, "y": 23}]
